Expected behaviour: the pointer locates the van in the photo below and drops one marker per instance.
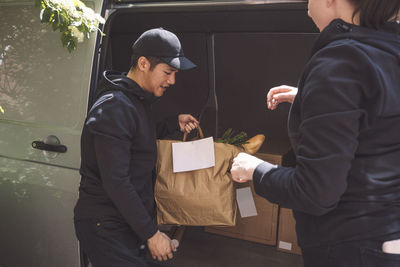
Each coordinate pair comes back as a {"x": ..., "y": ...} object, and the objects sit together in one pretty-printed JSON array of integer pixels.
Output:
[{"x": 241, "y": 47}]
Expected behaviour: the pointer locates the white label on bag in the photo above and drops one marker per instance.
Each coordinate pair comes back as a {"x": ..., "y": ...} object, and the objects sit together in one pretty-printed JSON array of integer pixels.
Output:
[
  {"x": 194, "y": 155},
  {"x": 245, "y": 201},
  {"x": 285, "y": 245}
]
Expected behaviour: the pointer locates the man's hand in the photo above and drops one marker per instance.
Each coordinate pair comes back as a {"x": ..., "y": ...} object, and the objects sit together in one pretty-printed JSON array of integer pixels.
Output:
[
  {"x": 280, "y": 94},
  {"x": 160, "y": 246},
  {"x": 187, "y": 123}
]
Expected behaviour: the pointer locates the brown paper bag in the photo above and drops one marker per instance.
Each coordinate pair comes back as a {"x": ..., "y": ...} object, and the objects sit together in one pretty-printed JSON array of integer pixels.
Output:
[{"x": 201, "y": 197}]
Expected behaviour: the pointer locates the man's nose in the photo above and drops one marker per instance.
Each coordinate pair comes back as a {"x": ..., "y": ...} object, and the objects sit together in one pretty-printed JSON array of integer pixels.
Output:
[{"x": 171, "y": 78}]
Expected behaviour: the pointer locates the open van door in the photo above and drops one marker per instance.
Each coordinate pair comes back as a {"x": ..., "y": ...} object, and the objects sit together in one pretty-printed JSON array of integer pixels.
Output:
[{"x": 43, "y": 94}]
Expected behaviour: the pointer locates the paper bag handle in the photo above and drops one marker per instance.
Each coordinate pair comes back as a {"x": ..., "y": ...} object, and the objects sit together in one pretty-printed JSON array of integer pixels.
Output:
[{"x": 198, "y": 129}]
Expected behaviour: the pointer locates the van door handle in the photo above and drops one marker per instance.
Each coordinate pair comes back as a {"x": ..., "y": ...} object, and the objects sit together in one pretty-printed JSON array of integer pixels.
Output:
[
  {"x": 54, "y": 148},
  {"x": 50, "y": 143}
]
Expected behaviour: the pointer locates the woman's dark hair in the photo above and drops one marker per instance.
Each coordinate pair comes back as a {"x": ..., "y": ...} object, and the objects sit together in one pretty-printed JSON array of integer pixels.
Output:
[
  {"x": 154, "y": 61},
  {"x": 374, "y": 13}
]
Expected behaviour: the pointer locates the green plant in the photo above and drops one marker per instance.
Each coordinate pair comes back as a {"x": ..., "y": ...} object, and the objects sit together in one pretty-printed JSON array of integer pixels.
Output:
[
  {"x": 236, "y": 140},
  {"x": 72, "y": 18}
]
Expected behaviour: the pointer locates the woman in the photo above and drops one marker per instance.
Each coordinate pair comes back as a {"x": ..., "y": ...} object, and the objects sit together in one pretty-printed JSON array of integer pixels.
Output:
[{"x": 344, "y": 126}]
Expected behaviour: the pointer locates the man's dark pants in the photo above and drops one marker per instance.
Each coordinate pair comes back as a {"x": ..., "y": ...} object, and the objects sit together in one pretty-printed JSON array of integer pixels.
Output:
[{"x": 110, "y": 243}]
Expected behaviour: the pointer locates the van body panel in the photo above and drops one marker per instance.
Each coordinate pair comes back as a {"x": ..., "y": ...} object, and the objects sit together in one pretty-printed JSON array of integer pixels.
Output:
[
  {"x": 44, "y": 92},
  {"x": 36, "y": 207}
]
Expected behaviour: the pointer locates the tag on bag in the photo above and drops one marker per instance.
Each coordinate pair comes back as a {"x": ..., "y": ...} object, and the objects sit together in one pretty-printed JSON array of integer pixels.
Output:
[
  {"x": 245, "y": 200},
  {"x": 193, "y": 155}
]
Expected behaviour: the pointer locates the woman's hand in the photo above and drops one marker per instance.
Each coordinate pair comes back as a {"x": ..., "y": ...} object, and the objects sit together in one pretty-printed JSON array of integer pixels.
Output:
[
  {"x": 187, "y": 123},
  {"x": 280, "y": 94}
]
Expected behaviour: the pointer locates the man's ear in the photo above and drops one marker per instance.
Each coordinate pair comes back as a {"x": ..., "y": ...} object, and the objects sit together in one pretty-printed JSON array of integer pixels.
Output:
[{"x": 143, "y": 64}]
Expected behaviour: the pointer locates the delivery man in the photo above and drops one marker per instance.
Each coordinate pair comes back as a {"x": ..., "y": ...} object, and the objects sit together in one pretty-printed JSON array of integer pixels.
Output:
[{"x": 115, "y": 210}]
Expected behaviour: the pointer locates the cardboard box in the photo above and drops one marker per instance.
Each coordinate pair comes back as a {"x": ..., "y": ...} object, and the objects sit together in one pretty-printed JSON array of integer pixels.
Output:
[
  {"x": 287, "y": 238},
  {"x": 261, "y": 228}
]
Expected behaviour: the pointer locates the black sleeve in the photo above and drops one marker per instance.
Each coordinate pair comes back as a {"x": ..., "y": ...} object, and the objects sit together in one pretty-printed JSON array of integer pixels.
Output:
[
  {"x": 113, "y": 127},
  {"x": 327, "y": 137}
]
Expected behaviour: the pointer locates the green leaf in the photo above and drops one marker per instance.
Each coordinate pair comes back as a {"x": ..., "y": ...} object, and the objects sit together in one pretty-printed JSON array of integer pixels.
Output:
[
  {"x": 63, "y": 18},
  {"x": 54, "y": 26},
  {"x": 45, "y": 15},
  {"x": 71, "y": 46},
  {"x": 227, "y": 134},
  {"x": 69, "y": 41},
  {"x": 237, "y": 140}
]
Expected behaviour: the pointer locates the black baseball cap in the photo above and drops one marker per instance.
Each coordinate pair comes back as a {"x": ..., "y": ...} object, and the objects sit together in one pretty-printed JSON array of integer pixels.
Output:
[{"x": 164, "y": 45}]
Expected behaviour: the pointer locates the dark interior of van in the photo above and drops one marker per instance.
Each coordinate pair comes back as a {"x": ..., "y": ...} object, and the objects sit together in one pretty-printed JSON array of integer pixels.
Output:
[{"x": 240, "y": 54}]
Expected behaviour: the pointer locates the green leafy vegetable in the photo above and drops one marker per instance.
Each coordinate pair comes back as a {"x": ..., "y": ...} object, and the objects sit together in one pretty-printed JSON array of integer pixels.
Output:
[{"x": 229, "y": 138}]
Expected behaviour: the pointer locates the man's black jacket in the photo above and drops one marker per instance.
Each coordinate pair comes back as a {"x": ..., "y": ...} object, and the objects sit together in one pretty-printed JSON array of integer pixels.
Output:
[{"x": 119, "y": 153}]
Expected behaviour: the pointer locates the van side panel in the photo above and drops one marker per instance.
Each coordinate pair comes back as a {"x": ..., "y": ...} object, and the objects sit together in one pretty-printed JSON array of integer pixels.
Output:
[
  {"x": 36, "y": 215},
  {"x": 43, "y": 91}
]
